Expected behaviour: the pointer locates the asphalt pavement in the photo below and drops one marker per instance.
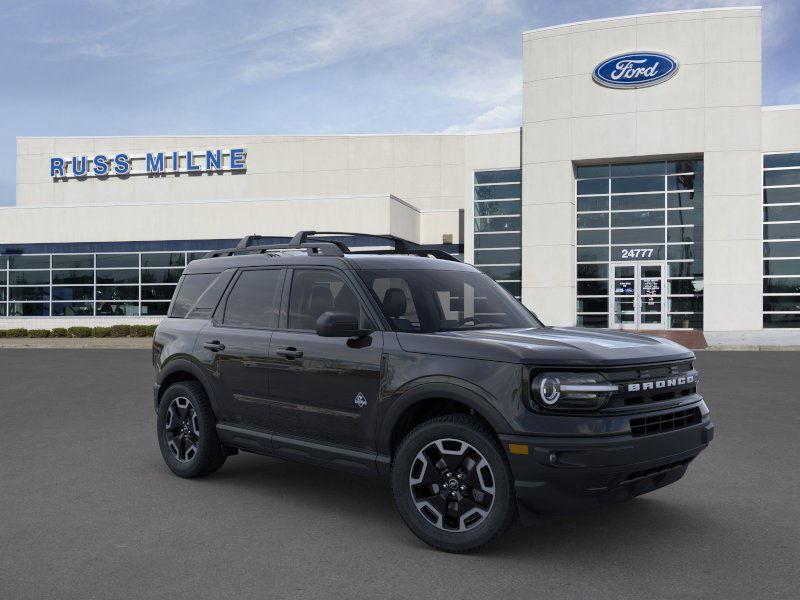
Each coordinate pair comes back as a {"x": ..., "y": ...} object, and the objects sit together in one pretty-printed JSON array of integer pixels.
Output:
[{"x": 88, "y": 509}]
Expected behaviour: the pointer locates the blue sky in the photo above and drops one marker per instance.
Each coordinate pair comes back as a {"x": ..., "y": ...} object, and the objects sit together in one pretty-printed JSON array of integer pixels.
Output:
[{"x": 152, "y": 67}]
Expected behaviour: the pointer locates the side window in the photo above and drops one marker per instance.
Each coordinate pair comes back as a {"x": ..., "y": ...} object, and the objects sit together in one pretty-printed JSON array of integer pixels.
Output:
[
  {"x": 190, "y": 289},
  {"x": 316, "y": 292},
  {"x": 398, "y": 304},
  {"x": 254, "y": 299}
]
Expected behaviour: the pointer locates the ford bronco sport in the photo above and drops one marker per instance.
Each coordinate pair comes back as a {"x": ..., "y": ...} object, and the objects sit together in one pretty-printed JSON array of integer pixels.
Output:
[{"x": 410, "y": 365}]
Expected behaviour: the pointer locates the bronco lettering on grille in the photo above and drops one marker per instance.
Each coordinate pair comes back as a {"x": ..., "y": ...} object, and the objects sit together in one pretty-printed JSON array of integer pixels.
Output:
[{"x": 659, "y": 384}]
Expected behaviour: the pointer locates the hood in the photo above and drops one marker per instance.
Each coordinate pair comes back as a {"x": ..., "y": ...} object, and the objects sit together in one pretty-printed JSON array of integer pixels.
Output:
[{"x": 575, "y": 346}]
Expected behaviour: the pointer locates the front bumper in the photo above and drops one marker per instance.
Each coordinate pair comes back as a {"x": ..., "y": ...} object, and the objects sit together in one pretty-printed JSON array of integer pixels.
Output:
[{"x": 563, "y": 475}]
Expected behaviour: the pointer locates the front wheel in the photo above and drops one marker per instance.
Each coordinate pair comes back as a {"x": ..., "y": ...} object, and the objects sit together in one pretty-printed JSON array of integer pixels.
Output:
[
  {"x": 452, "y": 484},
  {"x": 186, "y": 429}
]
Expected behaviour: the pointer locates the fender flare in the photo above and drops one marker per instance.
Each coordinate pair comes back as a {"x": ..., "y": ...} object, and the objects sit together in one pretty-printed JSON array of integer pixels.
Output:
[
  {"x": 186, "y": 365},
  {"x": 448, "y": 389}
]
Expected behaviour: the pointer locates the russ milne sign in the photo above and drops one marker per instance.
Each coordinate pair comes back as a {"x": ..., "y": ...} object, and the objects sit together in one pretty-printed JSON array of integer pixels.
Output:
[
  {"x": 151, "y": 163},
  {"x": 635, "y": 70}
]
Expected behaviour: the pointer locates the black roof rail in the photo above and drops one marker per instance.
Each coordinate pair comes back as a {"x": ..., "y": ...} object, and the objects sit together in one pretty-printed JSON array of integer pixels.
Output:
[{"x": 301, "y": 241}]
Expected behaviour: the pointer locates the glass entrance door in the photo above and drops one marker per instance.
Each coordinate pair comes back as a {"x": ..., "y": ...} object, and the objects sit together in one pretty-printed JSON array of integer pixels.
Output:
[{"x": 637, "y": 295}]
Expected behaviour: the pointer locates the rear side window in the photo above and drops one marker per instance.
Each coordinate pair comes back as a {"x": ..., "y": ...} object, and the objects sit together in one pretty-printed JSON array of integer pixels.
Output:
[
  {"x": 254, "y": 299},
  {"x": 189, "y": 291}
]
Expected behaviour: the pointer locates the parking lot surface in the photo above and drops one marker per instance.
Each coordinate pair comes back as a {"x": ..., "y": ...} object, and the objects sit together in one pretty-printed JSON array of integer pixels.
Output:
[{"x": 88, "y": 509}]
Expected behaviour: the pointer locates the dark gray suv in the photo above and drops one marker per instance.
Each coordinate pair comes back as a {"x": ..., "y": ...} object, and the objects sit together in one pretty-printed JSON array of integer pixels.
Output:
[{"x": 410, "y": 365}]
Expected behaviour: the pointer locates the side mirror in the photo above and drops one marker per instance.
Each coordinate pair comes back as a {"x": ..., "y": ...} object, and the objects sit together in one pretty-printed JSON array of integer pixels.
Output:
[{"x": 340, "y": 324}]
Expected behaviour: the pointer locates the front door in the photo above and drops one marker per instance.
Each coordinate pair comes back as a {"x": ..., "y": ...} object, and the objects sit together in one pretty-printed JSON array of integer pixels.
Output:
[
  {"x": 324, "y": 389},
  {"x": 636, "y": 299}
]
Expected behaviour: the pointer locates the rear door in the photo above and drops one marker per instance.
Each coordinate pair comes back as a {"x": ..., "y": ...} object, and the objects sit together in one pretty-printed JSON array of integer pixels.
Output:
[
  {"x": 324, "y": 389},
  {"x": 234, "y": 345}
]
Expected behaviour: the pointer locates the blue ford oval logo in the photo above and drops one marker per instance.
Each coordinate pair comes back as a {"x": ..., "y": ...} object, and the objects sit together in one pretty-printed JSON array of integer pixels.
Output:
[{"x": 635, "y": 70}]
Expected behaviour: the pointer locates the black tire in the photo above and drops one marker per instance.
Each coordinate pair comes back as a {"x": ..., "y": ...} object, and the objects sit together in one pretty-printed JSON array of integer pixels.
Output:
[
  {"x": 207, "y": 455},
  {"x": 429, "y": 523}
]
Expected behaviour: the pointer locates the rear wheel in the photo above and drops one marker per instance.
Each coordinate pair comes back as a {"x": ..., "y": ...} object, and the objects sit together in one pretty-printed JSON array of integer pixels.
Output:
[
  {"x": 186, "y": 429},
  {"x": 452, "y": 484}
]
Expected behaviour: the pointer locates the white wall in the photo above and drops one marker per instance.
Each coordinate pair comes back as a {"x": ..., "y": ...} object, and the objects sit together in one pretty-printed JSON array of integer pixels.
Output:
[{"x": 712, "y": 106}]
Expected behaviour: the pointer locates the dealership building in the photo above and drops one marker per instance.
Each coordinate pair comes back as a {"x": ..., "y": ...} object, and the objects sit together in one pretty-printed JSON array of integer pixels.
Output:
[{"x": 646, "y": 188}]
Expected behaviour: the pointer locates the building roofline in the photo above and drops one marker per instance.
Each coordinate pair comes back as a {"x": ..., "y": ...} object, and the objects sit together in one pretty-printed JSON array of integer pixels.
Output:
[
  {"x": 781, "y": 107},
  {"x": 652, "y": 14},
  {"x": 264, "y": 135}
]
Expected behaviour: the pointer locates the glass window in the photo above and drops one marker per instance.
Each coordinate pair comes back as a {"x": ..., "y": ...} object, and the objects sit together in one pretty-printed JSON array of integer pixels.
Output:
[
  {"x": 190, "y": 256},
  {"x": 593, "y": 305},
  {"x": 73, "y": 309},
  {"x": 685, "y": 304},
  {"x": 680, "y": 252},
  {"x": 592, "y": 321},
  {"x": 685, "y": 286},
  {"x": 684, "y": 217},
  {"x": 498, "y": 240},
  {"x": 497, "y": 257},
  {"x": 163, "y": 259},
  {"x": 495, "y": 192},
  {"x": 509, "y": 207},
  {"x": 592, "y": 236},
  {"x": 315, "y": 292},
  {"x": 22, "y": 261},
  {"x": 592, "y": 254},
  {"x": 444, "y": 301},
  {"x": 592, "y": 186},
  {"x": 651, "y": 168},
  {"x": 29, "y": 277},
  {"x": 684, "y": 166},
  {"x": 254, "y": 299},
  {"x": 497, "y": 224},
  {"x": 118, "y": 276},
  {"x": 28, "y": 309},
  {"x": 637, "y": 219},
  {"x": 191, "y": 288},
  {"x": 73, "y": 261},
  {"x": 117, "y": 309},
  {"x": 73, "y": 277},
  {"x": 680, "y": 269},
  {"x": 694, "y": 321},
  {"x": 782, "y": 303},
  {"x": 788, "y": 177},
  {"x": 157, "y": 292},
  {"x": 588, "y": 171},
  {"x": 782, "y": 213},
  {"x": 685, "y": 200},
  {"x": 161, "y": 275},
  {"x": 593, "y": 288},
  {"x": 512, "y": 287},
  {"x": 782, "y": 285},
  {"x": 117, "y": 292},
  {"x": 513, "y": 273},
  {"x": 592, "y": 271},
  {"x": 782, "y": 267},
  {"x": 637, "y": 202},
  {"x": 117, "y": 260},
  {"x": 592, "y": 220},
  {"x": 782, "y": 231},
  {"x": 85, "y": 292},
  {"x": 154, "y": 309},
  {"x": 499, "y": 176},
  {"x": 786, "y": 320},
  {"x": 637, "y": 236},
  {"x": 3, "y": 262},
  {"x": 29, "y": 293},
  {"x": 637, "y": 184},
  {"x": 680, "y": 234},
  {"x": 596, "y": 203},
  {"x": 782, "y": 195},
  {"x": 684, "y": 182},
  {"x": 790, "y": 159}
]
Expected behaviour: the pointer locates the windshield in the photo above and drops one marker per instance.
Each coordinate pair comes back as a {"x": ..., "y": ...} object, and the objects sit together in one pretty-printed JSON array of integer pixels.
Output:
[{"x": 428, "y": 301}]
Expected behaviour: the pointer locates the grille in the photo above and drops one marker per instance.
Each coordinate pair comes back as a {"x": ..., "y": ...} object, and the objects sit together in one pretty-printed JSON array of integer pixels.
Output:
[
  {"x": 651, "y": 380},
  {"x": 636, "y": 475},
  {"x": 665, "y": 422}
]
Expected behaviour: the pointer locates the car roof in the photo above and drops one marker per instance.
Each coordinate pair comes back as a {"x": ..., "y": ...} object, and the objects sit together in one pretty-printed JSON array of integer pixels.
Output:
[{"x": 356, "y": 260}]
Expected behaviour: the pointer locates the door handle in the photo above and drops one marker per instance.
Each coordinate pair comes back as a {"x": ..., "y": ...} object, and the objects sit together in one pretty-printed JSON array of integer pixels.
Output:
[
  {"x": 214, "y": 346},
  {"x": 289, "y": 353}
]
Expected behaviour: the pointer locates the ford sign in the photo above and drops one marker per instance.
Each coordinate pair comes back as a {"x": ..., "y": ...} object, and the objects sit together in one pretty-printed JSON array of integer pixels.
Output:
[{"x": 635, "y": 70}]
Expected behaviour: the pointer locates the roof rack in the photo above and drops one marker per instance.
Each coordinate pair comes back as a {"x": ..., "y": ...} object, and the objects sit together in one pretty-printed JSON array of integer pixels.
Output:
[{"x": 302, "y": 242}]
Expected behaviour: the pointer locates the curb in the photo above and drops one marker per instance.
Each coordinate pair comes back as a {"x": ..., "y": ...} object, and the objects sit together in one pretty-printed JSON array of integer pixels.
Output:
[
  {"x": 753, "y": 348},
  {"x": 77, "y": 343}
]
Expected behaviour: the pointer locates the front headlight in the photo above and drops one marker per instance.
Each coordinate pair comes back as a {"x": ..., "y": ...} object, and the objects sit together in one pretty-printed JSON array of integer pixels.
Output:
[{"x": 571, "y": 391}]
